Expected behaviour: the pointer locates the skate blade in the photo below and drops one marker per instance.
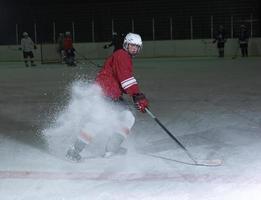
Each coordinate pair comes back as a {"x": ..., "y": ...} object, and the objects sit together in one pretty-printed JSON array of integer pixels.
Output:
[
  {"x": 73, "y": 160},
  {"x": 122, "y": 151}
]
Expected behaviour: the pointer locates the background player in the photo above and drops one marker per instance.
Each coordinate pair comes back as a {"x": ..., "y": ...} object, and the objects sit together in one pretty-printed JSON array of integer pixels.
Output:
[
  {"x": 117, "y": 41},
  {"x": 69, "y": 50},
  {"x": 27, "y": 46}
]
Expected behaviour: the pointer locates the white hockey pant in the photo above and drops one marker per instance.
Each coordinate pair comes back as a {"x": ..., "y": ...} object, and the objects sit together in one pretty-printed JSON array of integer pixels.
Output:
[{"x": 127, "y": 121}]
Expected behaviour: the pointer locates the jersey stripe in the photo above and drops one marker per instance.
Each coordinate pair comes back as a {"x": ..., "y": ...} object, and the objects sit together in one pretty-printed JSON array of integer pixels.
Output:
[{"x": 128, "y": 83}]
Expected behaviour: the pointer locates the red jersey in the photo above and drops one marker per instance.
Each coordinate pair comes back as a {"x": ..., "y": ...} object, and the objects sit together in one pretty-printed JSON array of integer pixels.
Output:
[
  {"x": 67, "y": 43},
  {"x": 116, "y": 76}
]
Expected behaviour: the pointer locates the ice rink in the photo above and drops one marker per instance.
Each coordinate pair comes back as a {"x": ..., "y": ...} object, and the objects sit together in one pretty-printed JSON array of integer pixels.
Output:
[{"x": 212, "y": 105}]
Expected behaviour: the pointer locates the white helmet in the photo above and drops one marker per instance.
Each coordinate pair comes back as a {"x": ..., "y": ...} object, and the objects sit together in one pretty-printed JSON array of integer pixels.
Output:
[
  {"x": 67, "y": 33},
  {"x": 25, "y": 34},
  {"x": 132, "y": 38}
]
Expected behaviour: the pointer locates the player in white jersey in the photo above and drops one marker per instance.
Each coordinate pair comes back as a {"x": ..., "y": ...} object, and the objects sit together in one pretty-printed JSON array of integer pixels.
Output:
[{"x": 27, "y": 46}]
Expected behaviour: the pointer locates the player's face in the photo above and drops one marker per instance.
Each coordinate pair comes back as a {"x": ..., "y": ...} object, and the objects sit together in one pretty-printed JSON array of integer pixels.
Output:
[{"x": 133, "y": 49}]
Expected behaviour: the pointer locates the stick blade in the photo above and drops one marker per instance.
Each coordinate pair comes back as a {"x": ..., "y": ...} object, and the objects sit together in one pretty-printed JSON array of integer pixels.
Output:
[
  {"x": 205, "y": 163},
  {"x": 214, "y": 162}
]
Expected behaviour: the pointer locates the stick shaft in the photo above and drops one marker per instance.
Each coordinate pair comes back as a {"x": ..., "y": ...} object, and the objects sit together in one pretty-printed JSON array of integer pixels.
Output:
[
  {"x": 84, "y": 57},
  {"x": 170, "y": 134}
]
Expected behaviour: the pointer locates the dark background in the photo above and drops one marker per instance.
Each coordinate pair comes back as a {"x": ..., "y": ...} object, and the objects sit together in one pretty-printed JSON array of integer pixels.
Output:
[{"x": 25, "y": 14}]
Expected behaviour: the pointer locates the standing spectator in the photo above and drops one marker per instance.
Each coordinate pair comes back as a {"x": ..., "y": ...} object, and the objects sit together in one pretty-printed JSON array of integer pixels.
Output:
[
  {"x": 27, "y": 46},
  {"x": 115, "y": 79},
  {"x": 243, "y": 40},
  {"x": 60, "y": 48},
  {"x": 69, "y": 50},
  {"x": 221, "y": 40},
  {"x": 117, "y": 41}
]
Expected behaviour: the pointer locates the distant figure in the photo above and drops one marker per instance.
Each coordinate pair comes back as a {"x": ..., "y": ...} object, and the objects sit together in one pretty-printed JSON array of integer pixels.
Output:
[
  {"x": 221, "y": 40},
  {"x": 243, "y": 40},
  {"x": 27, "y": 46},
  {"x": 69, "y": 50},
  {"x": 117, "y": 41},
  {"x": 60, "y": 48}
]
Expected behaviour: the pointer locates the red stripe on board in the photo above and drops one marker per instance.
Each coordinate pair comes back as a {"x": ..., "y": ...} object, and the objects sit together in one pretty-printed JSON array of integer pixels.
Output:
[{"x": 114, "y": 176}]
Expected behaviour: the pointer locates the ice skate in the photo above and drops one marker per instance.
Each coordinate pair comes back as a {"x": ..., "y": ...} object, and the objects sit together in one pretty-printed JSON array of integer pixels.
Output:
[
  {"x": 121, "y": 151},
  {"x": 114, "y": 146},
  {"x": 73, "y": 155}
]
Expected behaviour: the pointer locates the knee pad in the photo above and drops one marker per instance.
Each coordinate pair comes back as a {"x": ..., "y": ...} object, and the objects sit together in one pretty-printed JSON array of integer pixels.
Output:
[
  {"x": 85, "y": 137},
  {"x": 127, "y": 120}
]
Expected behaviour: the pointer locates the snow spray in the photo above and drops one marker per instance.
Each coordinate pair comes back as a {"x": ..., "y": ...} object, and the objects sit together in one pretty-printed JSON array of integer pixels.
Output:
[{"x": 87, "y": 110}]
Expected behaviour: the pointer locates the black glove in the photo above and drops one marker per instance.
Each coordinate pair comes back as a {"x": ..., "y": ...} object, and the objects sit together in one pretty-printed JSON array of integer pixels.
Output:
[
  {"x": 105, "y": 46},
  {"x": 35, "y": 47},
  {"x": 140, "y": 101}
]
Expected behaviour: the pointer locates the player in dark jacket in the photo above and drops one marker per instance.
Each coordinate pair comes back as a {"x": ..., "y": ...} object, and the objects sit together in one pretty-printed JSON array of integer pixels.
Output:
[
  {"x": 117, "y": 41},
  {"x": 220, "y": 40},
  {"x": 243, "y": 40}
]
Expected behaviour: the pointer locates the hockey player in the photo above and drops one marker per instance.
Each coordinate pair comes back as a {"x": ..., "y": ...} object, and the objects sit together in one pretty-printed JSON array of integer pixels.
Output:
[
  {"x": 27, "y": 46},
  {"x": 115, "y": 79},
  {"x": 221, "y": 40},
  {"x": 69, "y": 50},
  {"x": 117, "y": 41},
  {"x": 243, "y": 40}
]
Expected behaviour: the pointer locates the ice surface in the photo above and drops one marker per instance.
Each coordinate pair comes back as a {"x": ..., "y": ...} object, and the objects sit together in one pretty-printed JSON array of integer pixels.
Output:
[{"x": 211, "y": 105}]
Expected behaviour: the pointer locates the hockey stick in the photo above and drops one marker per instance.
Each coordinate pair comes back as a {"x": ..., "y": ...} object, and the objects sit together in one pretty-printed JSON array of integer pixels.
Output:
[
  {"x": 14, "y": 48},
  {"x": 206, "y": 42},
  {"x": 85, "y": 58},
  {"x": 195, "y": 162}
]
